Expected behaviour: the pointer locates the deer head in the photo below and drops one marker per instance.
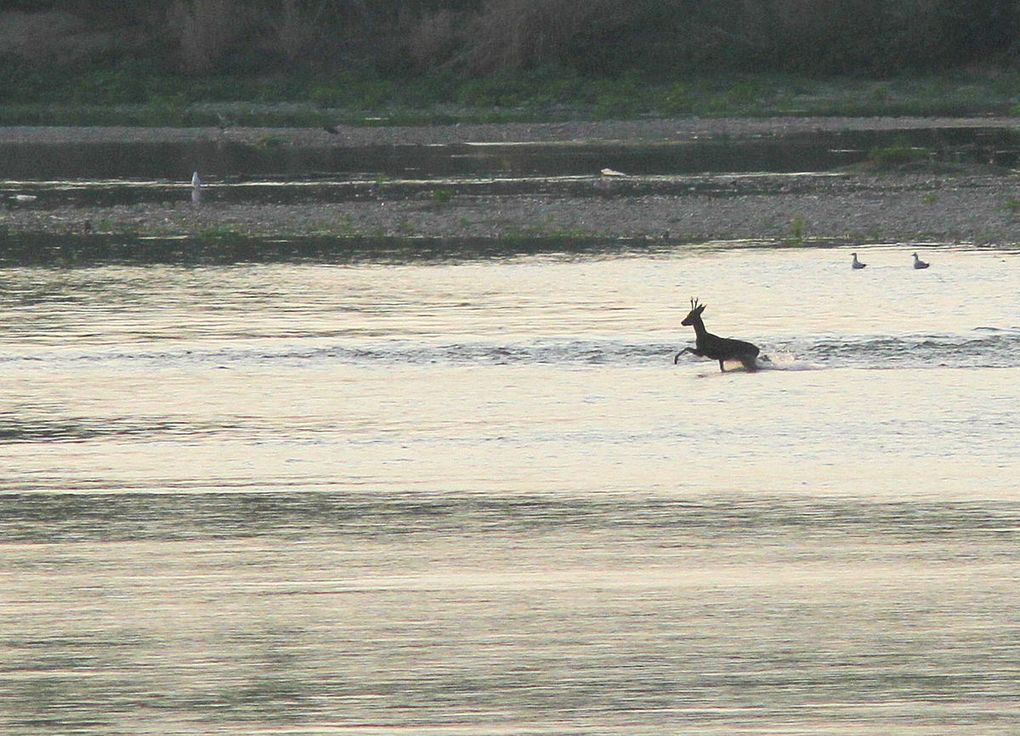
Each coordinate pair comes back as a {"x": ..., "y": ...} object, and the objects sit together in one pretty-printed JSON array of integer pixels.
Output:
[{"x": 694, "y": 315}]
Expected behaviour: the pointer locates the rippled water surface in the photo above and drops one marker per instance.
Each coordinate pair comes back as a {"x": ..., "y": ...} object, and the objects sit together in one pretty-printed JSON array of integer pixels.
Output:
[{"x": 476, "y": 496}]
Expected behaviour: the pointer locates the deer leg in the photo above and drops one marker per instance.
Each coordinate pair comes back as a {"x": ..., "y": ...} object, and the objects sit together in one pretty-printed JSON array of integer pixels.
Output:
[
  {"x": 685, "y": 350},
  {"x": 722, "y": 368}
]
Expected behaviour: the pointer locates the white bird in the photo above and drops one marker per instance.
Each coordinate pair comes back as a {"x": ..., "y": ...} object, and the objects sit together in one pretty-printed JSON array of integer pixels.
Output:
[
  {"x": 611, "y": 172},
  {"x": 196, "y": 188},
  {"x": 918, "y": 263},
  {"x": 24, "y": 197},
  {"x": 856, "y": 263}
]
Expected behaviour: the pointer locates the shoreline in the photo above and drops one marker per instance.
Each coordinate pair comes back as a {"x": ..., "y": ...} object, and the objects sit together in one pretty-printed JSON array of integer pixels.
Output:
[
  {"x": 966, "y": 204},
  {"x": 580, "y": 131}
]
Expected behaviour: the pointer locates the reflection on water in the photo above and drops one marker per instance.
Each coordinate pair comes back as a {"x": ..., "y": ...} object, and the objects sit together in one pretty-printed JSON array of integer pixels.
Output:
[
  {"x": 102, "y": 250},
  {"x": 475, "y": 496},
  {"x": 93, "y": 174},
  {"x": 274, "y": 156}
]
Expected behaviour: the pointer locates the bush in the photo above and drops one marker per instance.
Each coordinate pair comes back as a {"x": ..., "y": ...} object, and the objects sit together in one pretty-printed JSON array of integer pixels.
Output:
[
  {"x": 477, "y": 38},
  {"x": 207, "y": 31}
]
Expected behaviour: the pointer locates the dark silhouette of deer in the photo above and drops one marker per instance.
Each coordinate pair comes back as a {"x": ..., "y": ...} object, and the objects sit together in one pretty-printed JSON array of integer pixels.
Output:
[{"x": 718, "y": 348}]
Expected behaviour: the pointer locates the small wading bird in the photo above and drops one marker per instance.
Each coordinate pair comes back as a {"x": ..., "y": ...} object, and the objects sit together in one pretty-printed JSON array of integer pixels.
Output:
[
  {"x": 712, "y": 346},
  {"x": 856, "y": 263},
  {"x": 918, "y": 263}
]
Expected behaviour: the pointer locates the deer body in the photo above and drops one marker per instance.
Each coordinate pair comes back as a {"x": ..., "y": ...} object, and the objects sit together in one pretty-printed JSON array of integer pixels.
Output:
[{"x": 707, "y": 345}]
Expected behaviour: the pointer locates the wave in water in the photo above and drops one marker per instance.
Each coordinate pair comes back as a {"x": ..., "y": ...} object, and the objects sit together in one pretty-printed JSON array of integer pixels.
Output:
[
  {"x": 769, "y": 520},
  {"x": 984, "y": 348}
]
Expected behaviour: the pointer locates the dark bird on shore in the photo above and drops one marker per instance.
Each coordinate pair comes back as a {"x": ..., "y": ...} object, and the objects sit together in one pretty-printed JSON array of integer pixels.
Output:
[
  {"x": 707, "y": 345},
  {"x": 918, "y": 263},
  {"x": 331, "y": 129},
  {"x": 856, "y": 263}
]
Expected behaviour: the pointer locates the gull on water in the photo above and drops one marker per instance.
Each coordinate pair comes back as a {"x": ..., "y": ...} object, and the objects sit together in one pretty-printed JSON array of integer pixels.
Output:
[
  {"x": 856, "y": 263},
  {"x": 918, "y": 263}
]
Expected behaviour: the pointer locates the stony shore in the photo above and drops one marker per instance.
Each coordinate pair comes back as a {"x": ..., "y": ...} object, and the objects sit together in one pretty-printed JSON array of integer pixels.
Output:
[
  {"x": 649, "y": 131},
  {"x": 948, "y": 205}
]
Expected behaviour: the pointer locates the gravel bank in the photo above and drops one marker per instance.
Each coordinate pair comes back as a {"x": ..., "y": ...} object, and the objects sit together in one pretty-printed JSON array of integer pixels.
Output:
[
  {"x": 645, "y": 131},
  {"x": 951, "y": 206},
  {"x": 971, "y": 209}
]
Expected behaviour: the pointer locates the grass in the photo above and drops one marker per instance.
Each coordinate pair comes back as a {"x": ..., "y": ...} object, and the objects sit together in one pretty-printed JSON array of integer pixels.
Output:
[
  {"x": 897, "y": 155},
  {"x": 797, "y": 228},
  {"x": 270, "y": 141},
  {"x": 441, "y": 197},
  {"x": 548, "y": 230},
  {"x": 143, "y": 96},
  {"x": 218, "y": 233}
]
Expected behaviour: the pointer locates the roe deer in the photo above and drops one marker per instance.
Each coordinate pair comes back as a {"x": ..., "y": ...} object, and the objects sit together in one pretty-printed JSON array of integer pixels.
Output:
[{"x": 712, "y": 346}]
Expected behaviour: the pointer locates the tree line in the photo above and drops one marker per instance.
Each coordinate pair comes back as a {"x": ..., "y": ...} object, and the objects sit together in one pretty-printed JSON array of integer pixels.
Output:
[{"x": 589, "y": 37}]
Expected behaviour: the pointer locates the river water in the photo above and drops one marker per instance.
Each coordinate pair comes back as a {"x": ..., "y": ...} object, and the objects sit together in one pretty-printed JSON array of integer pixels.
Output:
[{"x": 474, "y": 495}]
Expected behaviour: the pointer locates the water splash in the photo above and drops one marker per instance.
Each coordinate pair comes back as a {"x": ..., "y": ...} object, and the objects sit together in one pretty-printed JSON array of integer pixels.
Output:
[{"x": 987, "y": 348}]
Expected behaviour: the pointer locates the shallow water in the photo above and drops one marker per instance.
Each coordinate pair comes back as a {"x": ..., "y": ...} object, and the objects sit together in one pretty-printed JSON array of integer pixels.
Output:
[
  {"x": 274, "y": 170},
  {"x": 474, "y": 495}
]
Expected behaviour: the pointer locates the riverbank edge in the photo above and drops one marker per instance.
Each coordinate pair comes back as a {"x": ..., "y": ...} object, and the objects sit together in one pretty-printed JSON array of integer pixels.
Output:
[
  {"x": 649, "y": 130},
  {"x": 920, "y": 205}
]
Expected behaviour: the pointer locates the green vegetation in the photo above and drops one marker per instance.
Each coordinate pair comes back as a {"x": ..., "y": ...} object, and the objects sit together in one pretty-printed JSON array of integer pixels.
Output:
[
  {"x": 217, "y": 234},
  {"x": 270, "y": 141},
  {"x": 548, "y": 230},
  {"x": 477, "y": 38},
  {"x": 441, "y": 197},
  {"x": 527, "y": 96},
  {"x": 342, "y": 226},
  {"x": 897, "y": 155},
  {"x": 310, "y": 63},
  {"x": 797, "y": 230}
]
